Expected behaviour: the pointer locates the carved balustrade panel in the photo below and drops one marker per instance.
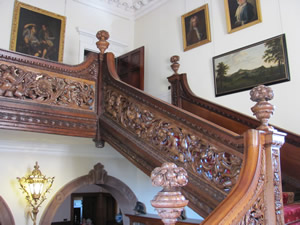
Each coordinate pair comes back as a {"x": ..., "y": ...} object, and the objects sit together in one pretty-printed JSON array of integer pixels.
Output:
[
  {"x": 256, "y": 212},
  {"x": 16, "y": 82},
  {"x": 173, "y": 142},
  {"x": 255, "y": 215}
]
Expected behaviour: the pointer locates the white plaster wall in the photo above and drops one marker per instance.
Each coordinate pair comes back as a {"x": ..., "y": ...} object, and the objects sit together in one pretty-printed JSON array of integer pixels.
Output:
[{"x": 161, "y": 33}]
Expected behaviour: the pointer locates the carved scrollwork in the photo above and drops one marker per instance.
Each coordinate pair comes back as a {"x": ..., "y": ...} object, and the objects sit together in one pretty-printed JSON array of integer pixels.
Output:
[
  {"x": 255, "y": 215},
  {"x": 277, "y": 186},
  {"x": 174, "y": 143},
  {"x": 42, "y": 88}
]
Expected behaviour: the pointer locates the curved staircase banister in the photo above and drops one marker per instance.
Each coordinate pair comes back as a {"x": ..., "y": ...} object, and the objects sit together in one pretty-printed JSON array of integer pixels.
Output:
[
  {"x": 249, "y": 187},
  {"x": 148, "y": 131},
  {"x": 145, "y": 130},
  {"x": 183, "y": 97},
  {"x": 257, "y": 195}
]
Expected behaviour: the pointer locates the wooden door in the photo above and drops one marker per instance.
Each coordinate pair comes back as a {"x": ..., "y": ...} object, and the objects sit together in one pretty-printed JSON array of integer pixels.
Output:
[
  {"x": 130, "y": 68},
  {"x": 101, "y": 208}
]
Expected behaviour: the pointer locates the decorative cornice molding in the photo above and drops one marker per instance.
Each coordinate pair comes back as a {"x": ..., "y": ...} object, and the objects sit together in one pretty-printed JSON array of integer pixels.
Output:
[{"x": 127, "y": 9}]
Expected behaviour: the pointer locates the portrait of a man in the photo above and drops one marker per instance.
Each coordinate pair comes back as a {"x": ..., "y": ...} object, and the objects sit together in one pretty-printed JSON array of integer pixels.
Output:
[
  {"x": 195, "y": 27},
  {"x": 196, "y": 32},
  {"x": 242, "y": 13}
]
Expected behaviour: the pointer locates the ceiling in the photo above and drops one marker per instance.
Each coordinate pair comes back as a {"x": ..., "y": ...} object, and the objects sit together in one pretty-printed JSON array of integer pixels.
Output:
[{"x": 128, "y": 9}]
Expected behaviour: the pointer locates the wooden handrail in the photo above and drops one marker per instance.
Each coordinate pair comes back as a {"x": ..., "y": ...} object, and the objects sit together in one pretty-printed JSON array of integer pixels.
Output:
[
  {"x": 149, "y": 132},
  {"x": 243, "y": 193},
  {"x": 184, "y": 98}
]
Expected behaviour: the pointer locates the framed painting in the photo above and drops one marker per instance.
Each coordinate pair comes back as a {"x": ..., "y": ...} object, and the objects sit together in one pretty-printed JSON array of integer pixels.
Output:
[
  {"x": 37, "y": 32},
  {"x": 195, "y": 28},
  {"x": 241, "y": 14},
  {"x": 264, "y": 62}
]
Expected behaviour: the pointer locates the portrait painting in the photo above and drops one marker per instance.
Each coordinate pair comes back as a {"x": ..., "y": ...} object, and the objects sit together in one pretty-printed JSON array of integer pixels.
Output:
[
  {"x": 195, "y": 28},
  {"x": 37, "y": 32},
  {"x": 241, "y": 14},
  {"x": 264, "y": 63}
]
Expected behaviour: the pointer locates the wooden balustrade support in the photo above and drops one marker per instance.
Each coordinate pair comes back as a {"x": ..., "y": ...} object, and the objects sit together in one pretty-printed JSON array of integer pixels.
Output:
[
  {"x": 234, "y": 169},
  {"x": 184, "y": 98},
  {"x": 102, "y": 45},
  {"x": 169, "y": 202}
]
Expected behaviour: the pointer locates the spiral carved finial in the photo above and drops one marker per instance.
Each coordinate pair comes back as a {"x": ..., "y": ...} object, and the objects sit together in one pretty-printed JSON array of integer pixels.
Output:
[
  {"x": 263, "y": 110},
  {"x": 102, "y": 44},
  {"x": 169, "y": 202},
  {"x": 175, "y": 65}
]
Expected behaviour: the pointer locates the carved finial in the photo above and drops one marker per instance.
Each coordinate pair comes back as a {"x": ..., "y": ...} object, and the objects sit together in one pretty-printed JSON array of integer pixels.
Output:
[
  {"x": 102, "y": 44},
  {"x": 169, "y": 202},
  {"x": 263, "y": 110},
  {"x": 175, "y": 65},
  {"x": 169, "y": 175}
]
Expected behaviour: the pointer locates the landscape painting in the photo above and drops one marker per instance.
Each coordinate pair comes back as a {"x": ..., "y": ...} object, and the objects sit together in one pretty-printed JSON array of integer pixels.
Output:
[{"x": 264, "y": 62}]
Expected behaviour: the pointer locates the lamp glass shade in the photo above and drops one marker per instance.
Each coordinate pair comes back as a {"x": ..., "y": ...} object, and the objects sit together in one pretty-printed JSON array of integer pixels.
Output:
[{"x": 36, "y": 189}]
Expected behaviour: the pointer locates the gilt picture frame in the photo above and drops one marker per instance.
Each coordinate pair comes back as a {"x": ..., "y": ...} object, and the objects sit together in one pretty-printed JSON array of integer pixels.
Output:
[
  {"x": 196, "y": 28},
  {"x": 37, "y": 32},
  {"x": 241, "y": 14},
  {"x": 265, "y": 62}
]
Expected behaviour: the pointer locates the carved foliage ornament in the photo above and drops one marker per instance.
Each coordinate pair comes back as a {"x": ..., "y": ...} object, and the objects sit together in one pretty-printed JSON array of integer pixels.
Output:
[
  {"x": 263, "y": 110},
  {"x": 277, "y": 185},
  {"x": 42, "y": 88},
  {"x": 169, "y": 175},
  {"x": 175, "y": 143},
  {"x": 255, "y": 215},
  {"x": 169, "y": 202}
]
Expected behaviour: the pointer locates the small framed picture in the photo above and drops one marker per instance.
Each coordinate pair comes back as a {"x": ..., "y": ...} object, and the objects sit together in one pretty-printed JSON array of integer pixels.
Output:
[
  {"x": 241, "y": 14},
  {"x": 37, "y": 32},
  {"x": 195, "y": 28},
  {"x": 264, "y": 62}
]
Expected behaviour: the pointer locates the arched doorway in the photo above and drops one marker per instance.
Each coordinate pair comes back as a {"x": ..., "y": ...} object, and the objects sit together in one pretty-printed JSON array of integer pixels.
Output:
[
  {"x": 121, "y": 192},
  {"x": 6, "y": 216}
]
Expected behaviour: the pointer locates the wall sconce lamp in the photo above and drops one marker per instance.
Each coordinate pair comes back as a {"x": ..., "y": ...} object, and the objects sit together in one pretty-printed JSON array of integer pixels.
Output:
[{"x": 35, "y": 186}]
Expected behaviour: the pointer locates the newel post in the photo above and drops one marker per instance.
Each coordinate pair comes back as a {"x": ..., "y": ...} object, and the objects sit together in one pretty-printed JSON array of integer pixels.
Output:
[
  {"x": 102, "y": 45},
  {"x": 273, "y": 140},
  {"x": 169, "y": 202},
  {"x": 175, "y": 81}
]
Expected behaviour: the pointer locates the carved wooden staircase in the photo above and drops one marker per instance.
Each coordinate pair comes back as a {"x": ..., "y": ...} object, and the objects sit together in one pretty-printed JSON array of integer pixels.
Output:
[
  {"x": 184, "y": 98},
  {"x": 89, "y": 100}
]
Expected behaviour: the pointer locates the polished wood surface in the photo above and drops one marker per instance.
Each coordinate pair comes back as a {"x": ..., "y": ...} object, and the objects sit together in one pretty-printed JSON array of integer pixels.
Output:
[
  {"x": 148, "y": 132},
  {"x": 222, "y": 163},
  {"x": 151, "y": 219},
  {"x": 130, "y": 67},
  {"x": 184, "y": 98},
  {"x": 44, "y": 96}
]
